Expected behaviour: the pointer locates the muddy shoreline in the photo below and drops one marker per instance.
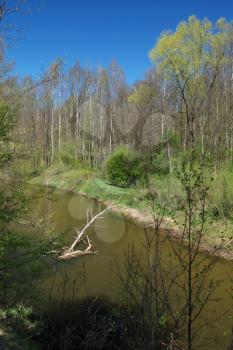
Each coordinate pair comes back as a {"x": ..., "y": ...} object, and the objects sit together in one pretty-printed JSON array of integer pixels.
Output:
[{"x": 167, "y": 226}]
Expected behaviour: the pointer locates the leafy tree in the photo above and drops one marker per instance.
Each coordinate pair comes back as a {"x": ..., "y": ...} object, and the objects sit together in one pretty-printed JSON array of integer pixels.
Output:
[
  {"x": 191, "y": 58},
  {"x": 19, "y": 255}
]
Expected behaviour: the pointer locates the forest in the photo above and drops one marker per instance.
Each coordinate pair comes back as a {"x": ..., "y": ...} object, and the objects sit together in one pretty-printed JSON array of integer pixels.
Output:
[{"x": 116, "y": 199}]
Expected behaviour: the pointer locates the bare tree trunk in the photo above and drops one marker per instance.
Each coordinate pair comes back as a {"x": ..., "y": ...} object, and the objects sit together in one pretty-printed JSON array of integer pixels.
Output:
[
  {"x": 52, "y": 134},
  {"x": 59, "y": 121},
  {"x": 169, "y": 157}
]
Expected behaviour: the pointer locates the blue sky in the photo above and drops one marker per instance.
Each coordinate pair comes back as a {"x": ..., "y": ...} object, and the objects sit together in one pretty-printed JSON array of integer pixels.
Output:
[{"x": 95, "y": 32}]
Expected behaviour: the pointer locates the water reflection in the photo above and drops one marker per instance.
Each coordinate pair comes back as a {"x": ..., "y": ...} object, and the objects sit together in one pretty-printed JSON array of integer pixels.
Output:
[{"x": 111, "y": 236}]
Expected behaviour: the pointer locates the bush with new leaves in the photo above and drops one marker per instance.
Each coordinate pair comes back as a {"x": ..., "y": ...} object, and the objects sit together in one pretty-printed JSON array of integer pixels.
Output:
[{"x": 124, "y": 167}]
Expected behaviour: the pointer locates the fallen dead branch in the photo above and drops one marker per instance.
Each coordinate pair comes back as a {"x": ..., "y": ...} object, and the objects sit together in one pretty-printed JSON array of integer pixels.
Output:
[{"x": 75, "y": 253}]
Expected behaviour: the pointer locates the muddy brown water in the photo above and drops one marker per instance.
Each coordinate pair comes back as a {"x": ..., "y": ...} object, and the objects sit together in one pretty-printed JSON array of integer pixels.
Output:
[{"x": 111, "y": 237}]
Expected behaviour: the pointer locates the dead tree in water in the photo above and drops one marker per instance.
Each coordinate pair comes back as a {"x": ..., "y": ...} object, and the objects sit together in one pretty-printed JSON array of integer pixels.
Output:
[{"x": 75, "y": 253}]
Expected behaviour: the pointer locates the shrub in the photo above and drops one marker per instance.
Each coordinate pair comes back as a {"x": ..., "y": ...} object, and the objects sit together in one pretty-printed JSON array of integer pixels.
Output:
[
  {"x": 23, "y": 168},
  {"x": 96, "y": 323},
  {"x": 68, "y": 157},
  {"x": 160, "y": 164},
  {"x": 20, "y": 267},
  {"x": 221, "y": 194},
  {"x": 125, "y": 167},
  {"x": 169, "y": 192},
  {"x": 18, "y": 326}
]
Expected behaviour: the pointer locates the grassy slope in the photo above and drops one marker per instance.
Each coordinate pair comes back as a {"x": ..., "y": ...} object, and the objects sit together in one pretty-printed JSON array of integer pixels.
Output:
[
  {"x": 84, "y": 180},
  {"x": 168, "y": 190}
]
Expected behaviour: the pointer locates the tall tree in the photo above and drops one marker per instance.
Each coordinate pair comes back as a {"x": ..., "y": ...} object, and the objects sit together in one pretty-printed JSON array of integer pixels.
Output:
[{"x": 192, "y": 58}]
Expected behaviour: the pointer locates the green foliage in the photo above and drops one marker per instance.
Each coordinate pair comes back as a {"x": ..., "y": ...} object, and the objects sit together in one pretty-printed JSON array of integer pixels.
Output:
[
  {"x": 5, "y": 158},
  {"x": 11, "y": 208},
  {"x": 24, "y": 169},
  {"x": 142, "y": 95},
  {"x": 169, "y": 192},
  {"x": 192, "y": 156},
  {"x": 7, "y": 120},
  {"x": 173, "y": 138},
  {"x": 194, "y": 48},
  {"x": 20, "y": 256},
  {"x": 221, "y": 194},
  {"x": 125, "y": 167},
  {"x": 160, "y": 161},
  {"x": 160, "y": 164},
  {"x": 19, "y": 312},
  {"x": 20, "y": 267},
  {"x": 18, "y": 326},
  {"x": 68, "y": 156}
]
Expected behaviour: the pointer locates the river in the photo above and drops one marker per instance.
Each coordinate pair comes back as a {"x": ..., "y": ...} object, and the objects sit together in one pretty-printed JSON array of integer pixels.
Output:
[{"x": 111, "y": 237}]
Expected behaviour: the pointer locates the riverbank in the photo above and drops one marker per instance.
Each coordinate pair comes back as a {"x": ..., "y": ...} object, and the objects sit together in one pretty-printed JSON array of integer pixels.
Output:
[{"x": 133, "y": 204}]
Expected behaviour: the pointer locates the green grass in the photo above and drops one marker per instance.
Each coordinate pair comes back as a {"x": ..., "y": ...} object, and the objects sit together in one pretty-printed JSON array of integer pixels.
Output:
[
  {"x": 100, "y": 189},
  {"x": 63, "y": 178},
  {"x": 85, "y": 180},
  {"x": 166, "y": 188}
]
